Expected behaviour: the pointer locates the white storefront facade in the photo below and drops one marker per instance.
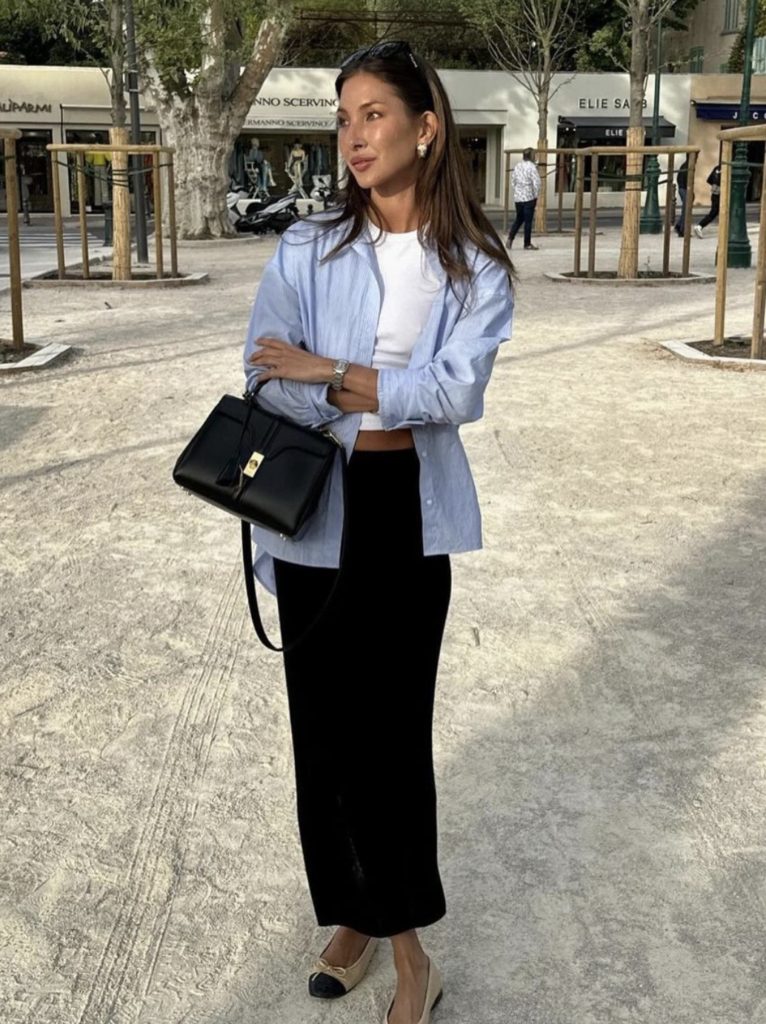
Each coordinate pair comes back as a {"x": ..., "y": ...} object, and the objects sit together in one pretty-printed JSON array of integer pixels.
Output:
[{"x": 492, "y": 110}]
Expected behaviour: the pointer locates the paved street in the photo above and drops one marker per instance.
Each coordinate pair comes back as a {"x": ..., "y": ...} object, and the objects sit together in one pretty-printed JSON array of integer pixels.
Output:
[
  {"x": 600, "y": 725},
  {"x": 38, "y": 245}
]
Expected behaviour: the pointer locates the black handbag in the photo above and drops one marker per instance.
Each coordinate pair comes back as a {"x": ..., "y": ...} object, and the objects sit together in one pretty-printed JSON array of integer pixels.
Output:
[{"x": 265, "y": 470}]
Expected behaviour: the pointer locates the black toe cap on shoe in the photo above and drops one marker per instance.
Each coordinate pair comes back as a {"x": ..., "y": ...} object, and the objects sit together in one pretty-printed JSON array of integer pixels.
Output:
[{"x": 324, "y": 986}]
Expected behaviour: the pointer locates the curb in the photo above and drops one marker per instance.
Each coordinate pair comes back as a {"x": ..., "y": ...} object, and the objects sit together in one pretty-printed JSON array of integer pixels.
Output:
[
  {"x": 683, "y": 350},
  {"x": 632, "y": 282},
  {"x": 51, "y": 280},
  {"x": 39, "y": 360}
]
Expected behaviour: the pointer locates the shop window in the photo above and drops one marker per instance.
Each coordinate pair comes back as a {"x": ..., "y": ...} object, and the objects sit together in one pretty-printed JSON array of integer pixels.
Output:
[
  {"x": 34, "y": 164},
  {"x": 279, "y": 163},
  {"x": 473, "y": 143},
  {"x": 96, "y": 166},
  {"x": 98, "y": 181},
  {"x": 731, "y": 16},
  {"x": 696, "y": 59},
  {"x": 759, "y": 55}
]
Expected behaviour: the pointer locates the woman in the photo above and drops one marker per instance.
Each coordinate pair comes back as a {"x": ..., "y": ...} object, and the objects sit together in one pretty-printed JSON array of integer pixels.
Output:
[{"x": 380, "y": 318}]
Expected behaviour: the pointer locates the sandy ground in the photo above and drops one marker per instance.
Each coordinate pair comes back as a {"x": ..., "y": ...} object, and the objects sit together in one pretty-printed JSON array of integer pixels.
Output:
[{"x": 600, "y": 733}]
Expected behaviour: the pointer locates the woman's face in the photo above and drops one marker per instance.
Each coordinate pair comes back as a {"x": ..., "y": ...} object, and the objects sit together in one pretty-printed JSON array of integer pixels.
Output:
[{"x": 378, "y": 136}]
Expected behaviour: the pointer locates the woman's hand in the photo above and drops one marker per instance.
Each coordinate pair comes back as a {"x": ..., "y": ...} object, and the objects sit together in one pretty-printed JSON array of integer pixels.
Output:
[{"x": 282, "y": 359}]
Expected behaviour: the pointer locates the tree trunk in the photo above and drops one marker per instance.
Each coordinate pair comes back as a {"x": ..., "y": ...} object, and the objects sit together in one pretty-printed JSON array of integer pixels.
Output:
[
  {"x": 541, "y": 213},
  {"x": 628, "y": 263},
  {"x": 117, "y": 61},
  {"x": 203, "y": 125},
  {"x": 201, "y": 163}
]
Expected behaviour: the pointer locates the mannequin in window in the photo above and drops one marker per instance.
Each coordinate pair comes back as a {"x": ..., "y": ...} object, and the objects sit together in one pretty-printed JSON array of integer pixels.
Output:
[
  {"x": 296, "y": 164},
  {"x": 254, "y": 161}
]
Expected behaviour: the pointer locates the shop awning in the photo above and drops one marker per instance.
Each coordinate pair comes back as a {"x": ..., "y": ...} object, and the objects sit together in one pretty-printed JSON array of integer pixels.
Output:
[
  {"x": 605, "y": 128},
  {"x": 726, "y": 110}
]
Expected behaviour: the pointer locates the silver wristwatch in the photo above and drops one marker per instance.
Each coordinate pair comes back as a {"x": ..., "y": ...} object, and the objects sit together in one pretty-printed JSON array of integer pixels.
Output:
[{"x": 339, "y": 368}]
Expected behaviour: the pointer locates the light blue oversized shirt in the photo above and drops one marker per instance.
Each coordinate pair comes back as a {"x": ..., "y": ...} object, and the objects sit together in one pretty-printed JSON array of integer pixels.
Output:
[{"x": 332, "y": 309}]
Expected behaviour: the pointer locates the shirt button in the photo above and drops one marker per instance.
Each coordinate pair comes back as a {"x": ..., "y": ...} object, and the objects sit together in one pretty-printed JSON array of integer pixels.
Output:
[
  {"x": 429, "y": 501},
  {"x": 424, "y": 453}
]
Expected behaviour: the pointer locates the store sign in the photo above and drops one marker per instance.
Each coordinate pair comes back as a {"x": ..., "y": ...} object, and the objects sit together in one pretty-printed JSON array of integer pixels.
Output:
[
  {"x": 728, "y": 111},
  {"x": 294, "y": 101},
  {"x": 13, "y": 107},
  {"x": 604, "y": 103},
  {"x": 318, "y": 123}
]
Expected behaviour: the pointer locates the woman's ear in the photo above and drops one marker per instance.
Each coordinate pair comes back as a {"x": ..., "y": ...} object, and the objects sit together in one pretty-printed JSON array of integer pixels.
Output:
[{"x": 428, "y": 128}]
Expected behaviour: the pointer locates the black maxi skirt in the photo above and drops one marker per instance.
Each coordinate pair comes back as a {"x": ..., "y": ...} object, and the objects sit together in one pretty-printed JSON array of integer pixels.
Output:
[{"x": 361, "y": 699}]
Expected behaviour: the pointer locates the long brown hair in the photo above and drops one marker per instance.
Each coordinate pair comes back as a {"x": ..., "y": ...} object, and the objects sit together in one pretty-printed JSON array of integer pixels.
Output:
[{"x": 451, "y": 217}]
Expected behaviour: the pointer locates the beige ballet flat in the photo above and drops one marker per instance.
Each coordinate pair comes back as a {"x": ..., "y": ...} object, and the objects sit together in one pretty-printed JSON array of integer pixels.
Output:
[
  {"x": 330, "y": 982},
  {"x": 434, "y": 992}
]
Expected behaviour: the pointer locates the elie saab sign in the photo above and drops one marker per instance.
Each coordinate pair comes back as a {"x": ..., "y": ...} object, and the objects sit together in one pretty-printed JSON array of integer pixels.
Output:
[{"x": 604, "y": 103}]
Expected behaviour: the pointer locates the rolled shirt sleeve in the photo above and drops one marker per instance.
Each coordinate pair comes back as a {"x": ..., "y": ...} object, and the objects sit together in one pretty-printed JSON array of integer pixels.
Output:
[
  {"x": 450, "y": 388},
  {"x": 276, "y": 314}
]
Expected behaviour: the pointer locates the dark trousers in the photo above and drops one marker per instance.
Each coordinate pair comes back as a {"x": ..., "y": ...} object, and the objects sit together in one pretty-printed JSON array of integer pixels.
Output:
[
  {"x": 361, "y": 697},
  {"x": 679, "y": 225},
  {"x": 715, "y": 206},
  {"x": 525, "y": 213}
]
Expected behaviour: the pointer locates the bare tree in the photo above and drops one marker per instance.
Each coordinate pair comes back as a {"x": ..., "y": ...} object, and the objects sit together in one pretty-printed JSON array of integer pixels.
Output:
[
  {"x": 531, "y": 40},
  {"x": 642, "y": 17}
]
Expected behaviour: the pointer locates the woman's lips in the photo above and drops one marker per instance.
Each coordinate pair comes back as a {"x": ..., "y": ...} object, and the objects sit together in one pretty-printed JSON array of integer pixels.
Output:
[{"x": 362, "y": 165}]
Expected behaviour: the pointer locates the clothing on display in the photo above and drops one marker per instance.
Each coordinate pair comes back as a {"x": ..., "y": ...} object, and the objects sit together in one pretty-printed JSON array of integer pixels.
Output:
[{"x": 275, "y": 162}]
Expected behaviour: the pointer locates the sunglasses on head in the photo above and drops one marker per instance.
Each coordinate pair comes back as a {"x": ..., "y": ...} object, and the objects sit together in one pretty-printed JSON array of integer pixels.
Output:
[{"x": 388, "y": 48}]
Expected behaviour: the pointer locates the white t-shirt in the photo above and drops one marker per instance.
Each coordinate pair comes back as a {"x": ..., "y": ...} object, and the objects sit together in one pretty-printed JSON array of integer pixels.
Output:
[{"x": 409, "y": 290}]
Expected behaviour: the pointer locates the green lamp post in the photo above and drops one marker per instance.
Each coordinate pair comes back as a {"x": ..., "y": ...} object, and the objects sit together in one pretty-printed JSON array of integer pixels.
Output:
[
  {"x": 651, "y": 221},
  {"x": 739, "y": 252}
]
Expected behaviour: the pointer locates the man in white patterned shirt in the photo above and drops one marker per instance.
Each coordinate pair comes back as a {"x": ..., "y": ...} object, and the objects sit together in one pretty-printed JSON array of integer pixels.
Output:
[{"x": 526, "y": 189}]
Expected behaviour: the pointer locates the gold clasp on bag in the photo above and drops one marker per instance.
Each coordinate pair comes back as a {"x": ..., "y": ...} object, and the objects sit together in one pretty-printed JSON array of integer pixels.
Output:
[{"x": 253, "y": 464}]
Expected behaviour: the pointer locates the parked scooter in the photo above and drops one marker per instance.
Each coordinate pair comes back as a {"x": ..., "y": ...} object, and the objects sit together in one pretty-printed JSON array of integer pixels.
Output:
[{"x": 275, "y": 215}]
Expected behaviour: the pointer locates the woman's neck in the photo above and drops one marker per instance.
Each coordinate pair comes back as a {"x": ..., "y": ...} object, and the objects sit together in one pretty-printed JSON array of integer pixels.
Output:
[{"x": 395, "y": 213}]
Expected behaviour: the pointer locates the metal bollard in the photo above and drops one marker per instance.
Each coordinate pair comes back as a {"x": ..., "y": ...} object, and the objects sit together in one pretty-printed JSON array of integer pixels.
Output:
[{"x": 108, "y": 219}]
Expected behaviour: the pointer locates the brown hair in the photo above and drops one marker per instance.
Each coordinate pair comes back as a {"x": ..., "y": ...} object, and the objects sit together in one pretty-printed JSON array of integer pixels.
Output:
[{"x": 451, "y": 215}]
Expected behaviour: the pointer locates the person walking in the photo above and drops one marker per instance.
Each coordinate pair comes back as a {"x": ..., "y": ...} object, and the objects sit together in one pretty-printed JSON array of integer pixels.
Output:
[
  {"x": 714, "y": 181},
  {"x": 526, "y": 190},
  {"x": 681, "y": 182},
  {"x": 379, "y": 319}
]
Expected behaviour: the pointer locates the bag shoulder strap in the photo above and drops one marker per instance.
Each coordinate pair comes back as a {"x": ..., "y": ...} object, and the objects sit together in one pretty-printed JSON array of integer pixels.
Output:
[{"x": 252, "y": 598}]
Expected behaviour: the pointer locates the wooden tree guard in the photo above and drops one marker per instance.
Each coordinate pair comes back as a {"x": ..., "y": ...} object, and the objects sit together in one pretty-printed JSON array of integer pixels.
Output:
[
  {"x": 81, "y": 193},
  {"x": 749, "y": 133},
  {"x": 119, "y": 152},
  {"x": 9, "y": 137},
  {"x": 594, "y": 152},
  {"x": 578, "y": 213},
  {"x": 121, "y": 269}
]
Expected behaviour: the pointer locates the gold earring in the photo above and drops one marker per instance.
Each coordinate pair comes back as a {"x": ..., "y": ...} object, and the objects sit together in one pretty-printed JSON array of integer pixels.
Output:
[{"x": 422, "y": 149}]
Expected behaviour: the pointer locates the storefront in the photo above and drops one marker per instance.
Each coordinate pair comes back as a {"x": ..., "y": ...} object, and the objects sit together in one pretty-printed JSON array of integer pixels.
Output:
[
  {"x": 722, "y": 114},
  {"x": 60, "y": 105},
  {"x": 290, "y": 134},
  {"x": 575, "y": 132},
  {"x": 714, "y": 105},
  {"x": 289, "y": 137}
]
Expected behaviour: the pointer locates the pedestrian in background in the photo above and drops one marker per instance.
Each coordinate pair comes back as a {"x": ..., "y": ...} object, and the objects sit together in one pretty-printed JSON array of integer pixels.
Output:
[
  {"x": 714, "y": 181},
  {"x": 526, "y": 189},
  {"x": 681, "y": 180}
]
